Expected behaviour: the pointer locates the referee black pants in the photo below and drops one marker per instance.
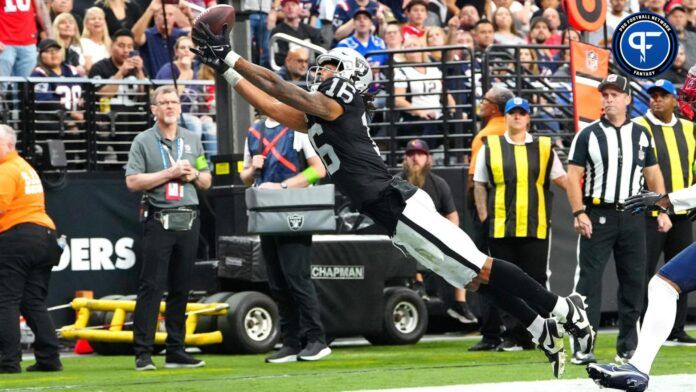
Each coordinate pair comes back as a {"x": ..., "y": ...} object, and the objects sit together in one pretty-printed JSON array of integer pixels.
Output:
[
  {"x": 288, "y": 268},
  {"x": 168, "y": 258},
  {"x": 671, "y": 243},
  {"x": 27, "y": 254},
  {"x": 624, "y": 235},
  {"x": 531, "y": 255}
]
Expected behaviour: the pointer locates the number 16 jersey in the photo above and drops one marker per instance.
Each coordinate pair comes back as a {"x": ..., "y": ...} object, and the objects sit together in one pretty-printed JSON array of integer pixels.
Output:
[{"x": 350, "y": 155}]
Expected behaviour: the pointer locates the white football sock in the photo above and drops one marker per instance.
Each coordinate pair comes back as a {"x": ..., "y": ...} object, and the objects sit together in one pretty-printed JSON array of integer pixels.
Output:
[
  {"x": 657, "y": 324},
  {"x": 561, "y": 309},
  {"x": 536, "y": 328}
]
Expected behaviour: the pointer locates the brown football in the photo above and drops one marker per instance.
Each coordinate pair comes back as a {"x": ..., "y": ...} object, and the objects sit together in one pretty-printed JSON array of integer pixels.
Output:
[{"x": 216, "y": 17}]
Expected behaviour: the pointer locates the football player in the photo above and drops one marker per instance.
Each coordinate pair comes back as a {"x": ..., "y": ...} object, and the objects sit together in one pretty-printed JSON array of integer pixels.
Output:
[{"x": 334, "y": 114}]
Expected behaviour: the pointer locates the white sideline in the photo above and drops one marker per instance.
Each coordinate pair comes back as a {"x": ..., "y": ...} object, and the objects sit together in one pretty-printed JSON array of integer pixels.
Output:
[{"x": 670, "y": 383}]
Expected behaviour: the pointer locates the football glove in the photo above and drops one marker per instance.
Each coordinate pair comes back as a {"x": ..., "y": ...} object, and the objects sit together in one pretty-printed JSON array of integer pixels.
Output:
[{"x": 644, "y": 200}]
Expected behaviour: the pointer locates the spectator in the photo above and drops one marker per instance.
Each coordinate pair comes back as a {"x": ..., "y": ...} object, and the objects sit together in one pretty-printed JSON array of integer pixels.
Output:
[
  {"x": 416, "y": 169},
  {"x": 519, "y": 228},
  {"x": 554, "y": 19},
  {"x": 287, "y": 256},
  {"x": 18, "y": 34},
  {"x": 678, "y": 72},
  {"x": 687, "y": 39},
  {"x": 484, "y": 35},
  {"x": 157, "y": 42},
  {"x": 68, "y": 36},
  {"x": 184, "y": 69},
  {"x": 394, "y": 39},
  {"x": 424, "y": 86},
  {"x": 293, "y": 26},
  {"x": 343, "y": 16},
  {"x": 120, "y": 102},
  {"x": 55, "y": 99},
  {"x": 57, "y": 7},
  {"x": 326, "y": 16},
  {"x": 491, "y": 110},
  {"x": 521, "y": 11},
  {"x": 296, "y": 66},
  {"x": 363, "y": 41},
  {"x": 465, "y": 40},
  {"x": 528, "y": 62},
  {"x": 504, "y": 27},
  {"x": 539, "y": 32},
  {"x": 655, "y": 6},
  {"x": 616, "y": 12},
  {"x": 259, "y": 12},
  {"x": 416, "y": 12},
  {"x": 563, "y": 55},
  {"x": 434, "y": 37},
  {"x": 95, "y": 39},
  {"x": 437, "y": 13},
  {"x": 555, "y": 4},
  {"x": 690, "y": 6},
  {"x": 466, "y": 20},
  {"x": 128, "y": 13}
]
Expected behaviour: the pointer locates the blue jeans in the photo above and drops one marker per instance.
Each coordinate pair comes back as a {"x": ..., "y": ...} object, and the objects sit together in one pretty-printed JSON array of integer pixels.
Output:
[
  {"x": 18, "y": 60},
  {"x": 206, "y": 129},
  {"x": 259, "y": 31}
]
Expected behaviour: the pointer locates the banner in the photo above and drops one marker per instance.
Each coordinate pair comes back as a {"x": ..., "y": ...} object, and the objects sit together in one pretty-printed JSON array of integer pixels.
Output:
[
  {"x": 99, "y": 217},
  {"x": 588, "y": 66}
]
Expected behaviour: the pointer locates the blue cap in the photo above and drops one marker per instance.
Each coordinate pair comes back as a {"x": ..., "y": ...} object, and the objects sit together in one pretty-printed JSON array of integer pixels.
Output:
[
  {"x": 514, "y": 103},
  {"x": 665, "y": 85}
]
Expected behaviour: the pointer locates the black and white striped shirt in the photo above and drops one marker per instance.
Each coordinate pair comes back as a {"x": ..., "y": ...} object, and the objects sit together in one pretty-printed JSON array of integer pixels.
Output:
[{"x": 613, "y": 159}]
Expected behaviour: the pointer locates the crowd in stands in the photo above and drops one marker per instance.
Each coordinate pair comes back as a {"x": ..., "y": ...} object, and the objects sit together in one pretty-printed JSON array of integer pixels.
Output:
[{"x": 141, "y": 39}]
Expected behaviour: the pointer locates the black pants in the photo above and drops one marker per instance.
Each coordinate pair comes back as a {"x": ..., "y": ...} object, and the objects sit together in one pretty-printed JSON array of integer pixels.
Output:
[
  {"x": 624, "y": 235},
  {"x": 531, "y": 255},
  {"x": 289, "y": 277},
  {"x": 168, "y": 258},
  {"x": 27, "y": 254},
  {"x": 671, "y": 243},
  {"x": 488, "y": 316}
]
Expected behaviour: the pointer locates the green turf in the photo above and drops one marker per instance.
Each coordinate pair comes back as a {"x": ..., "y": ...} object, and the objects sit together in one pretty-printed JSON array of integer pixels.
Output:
[{"x": 424, "y": 364}]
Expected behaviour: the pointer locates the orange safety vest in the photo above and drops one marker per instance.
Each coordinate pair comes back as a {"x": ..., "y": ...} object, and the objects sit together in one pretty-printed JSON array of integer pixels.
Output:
[{"x": 21, "y": 194}]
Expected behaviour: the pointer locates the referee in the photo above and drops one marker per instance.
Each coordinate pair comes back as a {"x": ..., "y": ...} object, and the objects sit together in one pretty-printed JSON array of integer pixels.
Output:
[
  {"x": 674, "y": 147},
  {"x": 611, "y": 156}
]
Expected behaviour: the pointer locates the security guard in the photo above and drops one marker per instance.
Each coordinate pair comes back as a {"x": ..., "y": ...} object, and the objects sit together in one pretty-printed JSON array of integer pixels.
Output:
[
  {"x": 518, "y": 169},
  {"x": 612, "y": 155},
  {"x": 675, "y": 148},
  {"x": 28, "y": 251},
  {"x": 274, "y": 158},
  {"x": 167, "y": 163}
]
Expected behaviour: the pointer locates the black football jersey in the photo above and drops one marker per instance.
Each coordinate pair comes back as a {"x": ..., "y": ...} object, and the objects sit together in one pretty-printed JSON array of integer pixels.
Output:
[{"x": 350, "y": 155}]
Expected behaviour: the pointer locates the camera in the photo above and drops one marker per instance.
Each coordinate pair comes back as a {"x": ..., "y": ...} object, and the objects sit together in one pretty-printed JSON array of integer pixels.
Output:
[{"x": 134, "y": 53}]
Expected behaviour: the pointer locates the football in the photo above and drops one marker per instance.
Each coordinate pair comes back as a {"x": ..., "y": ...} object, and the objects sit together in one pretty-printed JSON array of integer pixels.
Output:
[{"x": 216, "y": 17}]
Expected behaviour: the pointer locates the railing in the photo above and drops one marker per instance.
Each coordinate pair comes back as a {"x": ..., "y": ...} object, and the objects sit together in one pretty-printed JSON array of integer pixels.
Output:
[
  {"x": 451, "y": 78},
  {"x": 96, "y": 128}
]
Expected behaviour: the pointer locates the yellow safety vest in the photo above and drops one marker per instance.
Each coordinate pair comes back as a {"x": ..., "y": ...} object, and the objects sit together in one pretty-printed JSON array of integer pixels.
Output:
[
  {"x": 674, "y": 148},
  {"x": 519, "y": 203}
]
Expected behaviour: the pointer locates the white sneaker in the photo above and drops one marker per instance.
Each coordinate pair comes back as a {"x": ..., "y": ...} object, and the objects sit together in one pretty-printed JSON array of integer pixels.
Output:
[{"x": 551, "y": 343}]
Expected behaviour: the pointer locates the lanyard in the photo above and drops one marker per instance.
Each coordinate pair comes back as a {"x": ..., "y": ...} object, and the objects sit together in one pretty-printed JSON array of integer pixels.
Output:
[{"x": 179, "y": 148}]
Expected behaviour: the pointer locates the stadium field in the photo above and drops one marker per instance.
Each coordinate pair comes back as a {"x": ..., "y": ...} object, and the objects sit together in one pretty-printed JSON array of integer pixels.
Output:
[{"x": 427, "y": 364}]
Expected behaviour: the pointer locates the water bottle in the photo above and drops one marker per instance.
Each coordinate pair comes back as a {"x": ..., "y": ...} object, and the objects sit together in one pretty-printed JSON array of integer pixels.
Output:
[{"x": 62, "y": 241}]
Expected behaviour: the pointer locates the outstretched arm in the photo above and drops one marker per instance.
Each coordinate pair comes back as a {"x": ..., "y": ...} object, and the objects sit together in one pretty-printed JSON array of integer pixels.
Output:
[
  {"x": 313, "y": 103},
  {"x": 212, "y": 46},
  {"x": 284, "y": 114}
]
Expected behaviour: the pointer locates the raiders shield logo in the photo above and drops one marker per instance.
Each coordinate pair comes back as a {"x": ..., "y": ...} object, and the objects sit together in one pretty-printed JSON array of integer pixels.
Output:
[{"x": 295, "y": 222}]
